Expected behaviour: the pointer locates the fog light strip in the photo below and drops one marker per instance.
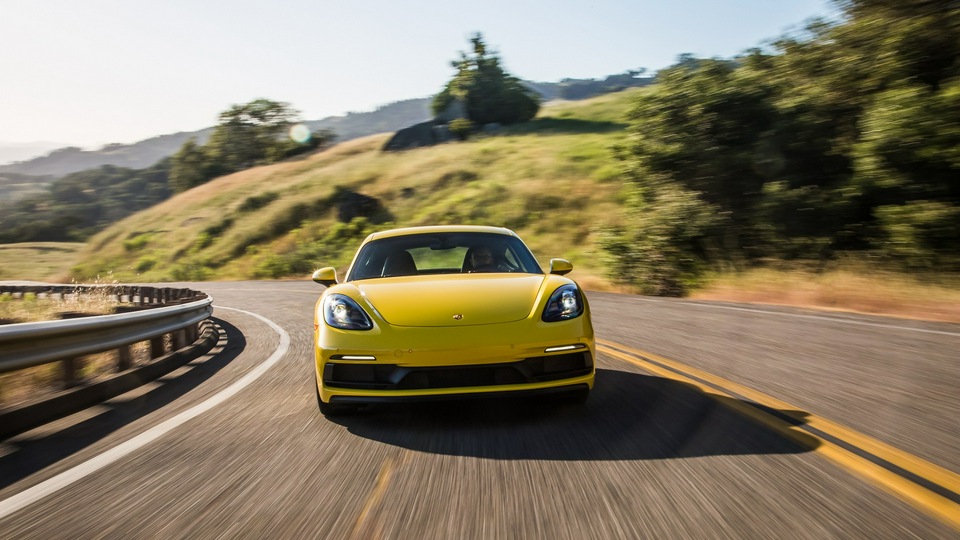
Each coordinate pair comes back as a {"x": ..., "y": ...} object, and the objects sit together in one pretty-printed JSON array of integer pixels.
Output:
[{"x": 565, "y": 348}]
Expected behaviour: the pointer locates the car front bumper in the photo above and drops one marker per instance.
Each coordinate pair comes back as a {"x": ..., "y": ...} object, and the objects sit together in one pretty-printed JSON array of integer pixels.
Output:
[{"x": 410, "y": 363}]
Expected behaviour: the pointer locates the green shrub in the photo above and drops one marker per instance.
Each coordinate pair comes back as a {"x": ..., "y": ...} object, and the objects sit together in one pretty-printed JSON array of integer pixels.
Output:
[
  {"x": 137, "y": 242},
  {"x": 145, "y": 264},
  {"x": 461, "y": 128},
  {"x": 660, "y": 252},
  {"x": 257, "y": 202}
]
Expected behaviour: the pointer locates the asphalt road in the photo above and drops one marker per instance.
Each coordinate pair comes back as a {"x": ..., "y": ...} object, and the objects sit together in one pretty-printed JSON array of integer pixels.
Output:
[{"x": 679, "y": 439}]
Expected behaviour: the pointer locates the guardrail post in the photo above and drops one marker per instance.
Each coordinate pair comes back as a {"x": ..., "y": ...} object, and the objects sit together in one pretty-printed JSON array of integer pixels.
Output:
[
  {"x": 68, "y": 371},
  {"x": 156, "y": 347},
  {"x": 123, "y": 358},
  {"x": 68, "y": 367},
  {"x": 179, "y": 339},
  {"x": 193, "y": 332}
]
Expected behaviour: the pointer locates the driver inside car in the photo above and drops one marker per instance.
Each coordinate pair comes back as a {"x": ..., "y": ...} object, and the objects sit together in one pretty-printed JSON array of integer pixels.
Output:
[{"x": 481, "y": 259}]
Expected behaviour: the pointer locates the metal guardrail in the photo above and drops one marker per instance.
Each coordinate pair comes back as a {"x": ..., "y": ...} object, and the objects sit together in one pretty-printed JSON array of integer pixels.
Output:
[
  {"x": 148, "y": 314},
  {"x": 24, "y": 345},
  {"x": 180, "y": 313},
  {"x": 32, "y": 344},
  {"x": 135, "y": 294}
]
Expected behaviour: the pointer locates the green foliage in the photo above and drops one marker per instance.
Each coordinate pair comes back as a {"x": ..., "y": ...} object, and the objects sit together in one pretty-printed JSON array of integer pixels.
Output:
[
  {"x": 844, "y": 137},
  {"x": 190, "y": 167},
  {"x": 461, "y": 128},
  {"x": 806, "y": 222},
  {"x": 145, "y": 263},
  {"x": 922, "y": 234},
  {"x": 217, "y": 230},
  {"x": 247, "y": 134},
  {"x": 284, "y": 220},
  {"x": 668, "y": 235},
  {"x": 257, "y": 202},
  {"x": 489, "y": 94},
  {"x": 190, "y": 271},
  {"x": 83, "y": 203},
  {"x": 137, "y": 242},
  {"x": 14, "y": 187},
  {"x": 286, "y": 148},
  {"x": 315, "y": 249},
  {"x": 250, "y": 134},
  {"x": 910, "y": 148}
]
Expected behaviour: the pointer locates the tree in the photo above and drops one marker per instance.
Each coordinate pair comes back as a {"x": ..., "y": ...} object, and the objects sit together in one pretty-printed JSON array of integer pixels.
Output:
[
  {"x": 189, "y": 167},
  {"x": 251, "y": 134},
  {"x": 705, "y": 128},
  {"x": 293, "y": 146},
  {"x": 844, "y": 136},
  {"x": 661, "y": 249},
  {"x": 488, "y": 92},
  {"x": 247, "y": 133}
]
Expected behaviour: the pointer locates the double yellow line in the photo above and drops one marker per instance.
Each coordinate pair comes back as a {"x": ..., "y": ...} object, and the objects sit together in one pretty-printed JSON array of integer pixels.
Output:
[{"x": 928, "y": 487}]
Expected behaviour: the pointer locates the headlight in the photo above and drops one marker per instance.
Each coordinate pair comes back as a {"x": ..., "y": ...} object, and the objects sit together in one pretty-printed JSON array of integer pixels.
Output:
[
  {"x": 342, "y": 312},
  {"x": 565, "y": 303}
]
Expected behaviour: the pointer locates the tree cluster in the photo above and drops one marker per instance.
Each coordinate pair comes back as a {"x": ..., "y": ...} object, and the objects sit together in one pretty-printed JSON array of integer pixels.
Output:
[
  {"x": 489, "y": 94},
  {"x": 83, "y": 203},
  {"x": 255, "y": 133},
  {"x": 843, "y": 138}
]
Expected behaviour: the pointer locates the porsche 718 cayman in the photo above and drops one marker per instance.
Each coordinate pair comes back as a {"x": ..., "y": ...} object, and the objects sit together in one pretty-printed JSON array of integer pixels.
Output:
[{"x": 449, "y": 311}]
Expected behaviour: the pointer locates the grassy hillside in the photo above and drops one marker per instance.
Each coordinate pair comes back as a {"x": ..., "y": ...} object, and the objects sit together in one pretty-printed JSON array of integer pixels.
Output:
[
  {"x": 552, "y": 180},
  {"x": 38, "y": 261}
]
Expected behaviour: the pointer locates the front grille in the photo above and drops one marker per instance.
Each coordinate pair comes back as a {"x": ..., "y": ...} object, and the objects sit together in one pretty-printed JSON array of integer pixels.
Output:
[{"x": 393, "y": 377}]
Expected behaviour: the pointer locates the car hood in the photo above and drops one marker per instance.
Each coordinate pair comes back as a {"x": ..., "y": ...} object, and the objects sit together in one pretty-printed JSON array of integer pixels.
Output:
[{"x": 456, "y": 300}]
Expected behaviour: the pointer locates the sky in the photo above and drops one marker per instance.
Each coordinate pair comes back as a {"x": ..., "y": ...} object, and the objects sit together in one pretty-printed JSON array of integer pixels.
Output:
[{"x": 87, "y": 73}]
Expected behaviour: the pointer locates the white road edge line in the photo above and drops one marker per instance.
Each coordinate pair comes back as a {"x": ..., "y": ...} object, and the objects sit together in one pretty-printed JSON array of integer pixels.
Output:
[
  {"x": 64, "y": 479},
  {"x": 815, "y": 317}
]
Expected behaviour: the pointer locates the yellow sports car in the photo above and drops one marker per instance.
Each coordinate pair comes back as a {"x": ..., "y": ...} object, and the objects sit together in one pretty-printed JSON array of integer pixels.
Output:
[{"x": 449, "y": 311}]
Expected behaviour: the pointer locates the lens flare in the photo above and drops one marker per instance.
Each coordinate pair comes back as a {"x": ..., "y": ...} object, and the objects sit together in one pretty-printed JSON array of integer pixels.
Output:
[{"x": 300, "y": 133}]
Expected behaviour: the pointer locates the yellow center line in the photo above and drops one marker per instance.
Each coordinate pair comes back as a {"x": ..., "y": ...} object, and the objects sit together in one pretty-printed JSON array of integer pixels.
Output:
[
  {"x": 730, "y": 394},
  {"x": 383, "y": 481}
]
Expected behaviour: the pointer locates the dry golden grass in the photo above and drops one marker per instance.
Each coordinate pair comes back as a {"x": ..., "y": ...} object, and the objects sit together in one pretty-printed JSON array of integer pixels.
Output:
[
  {"x": 850, "y": 289},
  {"x": 30, "y": 308},
  {"x": 38, "y": 261}
]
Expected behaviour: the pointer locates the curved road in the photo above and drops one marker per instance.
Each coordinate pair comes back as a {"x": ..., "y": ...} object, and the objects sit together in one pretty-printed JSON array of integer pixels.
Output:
[{"x": 708, "y": 421}]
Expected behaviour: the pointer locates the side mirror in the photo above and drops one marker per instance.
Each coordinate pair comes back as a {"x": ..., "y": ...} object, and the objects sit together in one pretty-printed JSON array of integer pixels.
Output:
[
  {"x": 560, "y": 266},
  {"x": 326, "y": 276}
]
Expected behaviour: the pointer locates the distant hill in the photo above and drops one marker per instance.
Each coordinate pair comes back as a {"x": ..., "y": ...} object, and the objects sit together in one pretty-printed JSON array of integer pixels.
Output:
[
  {"x": 147, "y": 152},
  {"x": 10, "y": 151},
  {"x": 388, "y": 118},
  {"x": 139, "y": 155},
  {"x": 385, "y": 119}
]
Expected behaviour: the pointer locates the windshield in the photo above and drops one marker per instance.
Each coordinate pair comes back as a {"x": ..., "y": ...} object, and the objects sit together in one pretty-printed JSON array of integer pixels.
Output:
[{"x": 443, "y": 253}]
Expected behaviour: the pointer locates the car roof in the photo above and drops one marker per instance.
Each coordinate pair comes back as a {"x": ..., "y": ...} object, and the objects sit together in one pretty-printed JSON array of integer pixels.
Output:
[{"x": 439, "y": 228}]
